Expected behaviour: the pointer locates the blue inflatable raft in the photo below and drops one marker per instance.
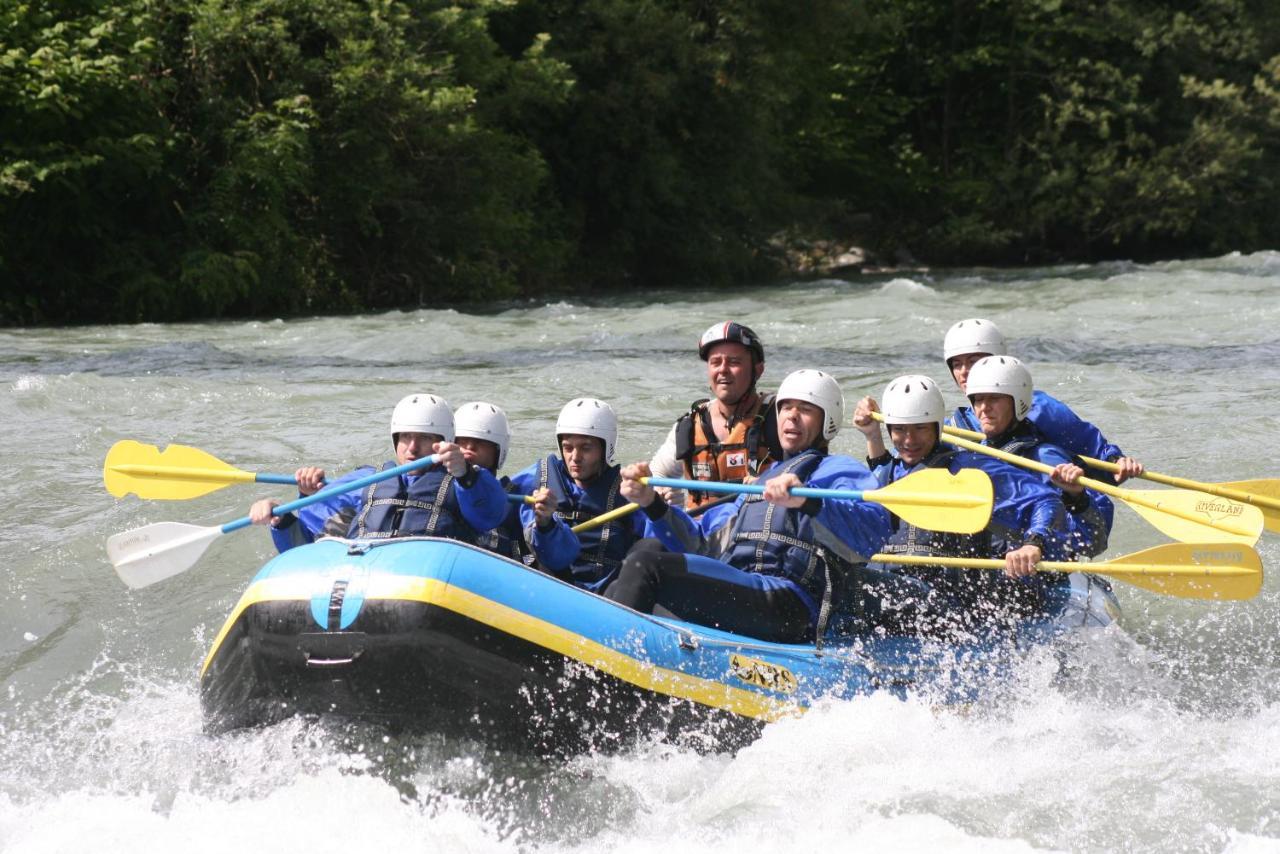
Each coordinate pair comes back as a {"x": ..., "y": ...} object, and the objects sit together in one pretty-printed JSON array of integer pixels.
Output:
[{"x": 436, "y": 634}]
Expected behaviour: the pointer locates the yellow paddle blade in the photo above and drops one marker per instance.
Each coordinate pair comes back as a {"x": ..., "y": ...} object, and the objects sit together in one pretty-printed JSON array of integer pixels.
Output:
[
  {"x": 1270, "y": 487},
  {"x": 937, "y": 500},
  {"x": 1188, "y": 570},
  {"x": 1269, "y": 490},
  {"x": 1195, "y": 517},
  {"x": 177, "y": 473}
]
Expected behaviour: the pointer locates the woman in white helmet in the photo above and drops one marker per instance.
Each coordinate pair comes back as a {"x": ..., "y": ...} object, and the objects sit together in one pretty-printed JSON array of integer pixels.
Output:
[
  {"x": 1001, "y": 393},
  {"x": 731, "y": 436},
  {"x": 1028, "y": 519},
  {"x": 764, "y": 565},
  {"x": 970, "y": 340},
  {"x": 574, "y": 486},
  {"x": 482, "y": 431},
  {"x": 450, "y": 498}
]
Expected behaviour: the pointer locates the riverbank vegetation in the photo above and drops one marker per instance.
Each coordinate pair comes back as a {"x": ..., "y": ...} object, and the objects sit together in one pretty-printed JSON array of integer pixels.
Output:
[{"x": 209, "y": 158}]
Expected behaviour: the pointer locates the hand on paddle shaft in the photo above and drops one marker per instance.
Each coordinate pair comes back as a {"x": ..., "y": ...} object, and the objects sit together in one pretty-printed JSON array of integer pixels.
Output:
[
  {"x": 155, "y": 552},
  {"x": 310, "y": 480},
  {"x": 636, "y": 479},
  {"x": 1181, "y": 514},
  {"x": 934, "y": 499},
  {"x": 177, "y": 473}
]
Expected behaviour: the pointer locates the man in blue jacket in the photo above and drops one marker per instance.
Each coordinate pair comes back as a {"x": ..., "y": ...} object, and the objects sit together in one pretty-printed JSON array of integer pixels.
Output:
[
  {"x": 1028, "y": 521},
  {"x": 764, "y": 565},
  {"x": 1001, "y": 393},
  {"x": 970, "y": 340},
  {"x": 484, "y": 434},
  {"x": 450, "y": 498},
  {"x": 574, "y": 486}
]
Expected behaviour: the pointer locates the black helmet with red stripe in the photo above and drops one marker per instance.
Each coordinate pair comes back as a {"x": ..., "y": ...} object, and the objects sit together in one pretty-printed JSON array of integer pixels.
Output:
[{"x": 734, "y": 333}]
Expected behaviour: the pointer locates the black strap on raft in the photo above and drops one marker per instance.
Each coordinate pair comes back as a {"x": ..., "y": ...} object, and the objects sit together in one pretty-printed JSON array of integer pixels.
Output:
[{"x": 824, "y": 610}]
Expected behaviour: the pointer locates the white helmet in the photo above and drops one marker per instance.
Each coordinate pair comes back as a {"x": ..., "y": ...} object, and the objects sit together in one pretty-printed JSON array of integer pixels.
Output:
[
  {"x": 973, "y": 336},
  {"x": 822, "y": 391},
  {"x": 1002, "y": 375},
  {"x": 913, "y": 399},
  {"x": 484, "y": 421},
  {"x": 423, "y": 413},
  {"x": 586, "y": 416}
]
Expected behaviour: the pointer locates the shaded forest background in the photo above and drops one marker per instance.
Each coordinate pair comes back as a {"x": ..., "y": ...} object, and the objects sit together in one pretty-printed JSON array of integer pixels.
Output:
[{"x": 211, "y": 158}]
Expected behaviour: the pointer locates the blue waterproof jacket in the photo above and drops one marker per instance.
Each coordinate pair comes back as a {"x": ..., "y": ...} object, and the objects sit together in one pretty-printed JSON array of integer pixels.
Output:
[
  {"x": 754, "y": 535},
  {"x": 590, "y": 559},
  {"x": 1089, "y": 516},
  {"x": 1057, "y": 424},
  {"x": 507, "y": 539},
  {"x": 480, "y": 506}
]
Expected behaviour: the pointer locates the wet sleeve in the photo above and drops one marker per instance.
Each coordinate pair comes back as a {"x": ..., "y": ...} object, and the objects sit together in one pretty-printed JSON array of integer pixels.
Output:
[
  {"x": 861, "y": 525},
  {"x": 705, "y": 535},
  {"x": 1058, "y": 424},
  {"x": 290, "y": 533},
  {"x": 556, "y": 548},
  {"x": 313, "y": 518},
  {"x": 484, "y": 502}
]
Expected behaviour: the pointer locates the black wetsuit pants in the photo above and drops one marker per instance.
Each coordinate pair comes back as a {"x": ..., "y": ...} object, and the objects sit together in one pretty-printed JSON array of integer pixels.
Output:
[{"x": 712, "y": 593}]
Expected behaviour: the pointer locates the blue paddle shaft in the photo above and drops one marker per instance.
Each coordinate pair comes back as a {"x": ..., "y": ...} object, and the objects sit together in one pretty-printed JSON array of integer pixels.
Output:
[
  {"x": 752, "y": 488},
  {"x": 360, "y": 483},
  {"x": 275, "y": 478}
]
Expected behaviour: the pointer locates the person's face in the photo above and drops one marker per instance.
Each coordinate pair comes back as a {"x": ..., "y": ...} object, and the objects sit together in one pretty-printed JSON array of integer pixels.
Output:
[
  {"x": 799, "y": 425},
  {"x": 583, "y": 456},
  {"x": 913, "y": 442},
  {"x": 414, "y": 446},
  {"x": 730, "y": 371},
  {"x": 960, "y": 366},
  {"x": 994, "y": 411},
  {"x": 479, "y": 452}
]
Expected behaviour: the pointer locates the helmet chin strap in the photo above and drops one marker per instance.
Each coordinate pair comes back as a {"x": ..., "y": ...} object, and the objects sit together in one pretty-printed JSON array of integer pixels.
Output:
[{"x": 736, "y": 407}]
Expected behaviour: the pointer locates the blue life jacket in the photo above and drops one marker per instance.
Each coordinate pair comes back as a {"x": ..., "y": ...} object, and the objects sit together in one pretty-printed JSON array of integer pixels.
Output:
[
  {"x": 507, "y": 539},
  {"x": 772, "y": 540},
  {"x": 427, "y": 507},
  {"x": 604, "y": 547}
]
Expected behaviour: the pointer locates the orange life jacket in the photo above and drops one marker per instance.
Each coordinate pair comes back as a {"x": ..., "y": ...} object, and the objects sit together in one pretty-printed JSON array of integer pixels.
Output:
[{"x": 752, "y": 444}]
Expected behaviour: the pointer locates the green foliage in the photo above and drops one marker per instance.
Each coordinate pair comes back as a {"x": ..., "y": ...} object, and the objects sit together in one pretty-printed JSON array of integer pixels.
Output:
[{"x": 203, "y": 158}]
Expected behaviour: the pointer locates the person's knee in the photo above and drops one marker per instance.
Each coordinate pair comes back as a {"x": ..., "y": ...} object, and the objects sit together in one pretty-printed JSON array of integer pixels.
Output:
[{"x": 647, "y": 544}]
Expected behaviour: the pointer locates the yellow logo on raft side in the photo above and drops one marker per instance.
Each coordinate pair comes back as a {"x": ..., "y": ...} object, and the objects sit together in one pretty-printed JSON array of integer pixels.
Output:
[{"x": 763, "y": 674}]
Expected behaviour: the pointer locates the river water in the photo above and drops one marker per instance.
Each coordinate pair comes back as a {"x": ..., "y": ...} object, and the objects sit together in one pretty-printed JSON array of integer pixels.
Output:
[{"x": 1161, "y": 733}]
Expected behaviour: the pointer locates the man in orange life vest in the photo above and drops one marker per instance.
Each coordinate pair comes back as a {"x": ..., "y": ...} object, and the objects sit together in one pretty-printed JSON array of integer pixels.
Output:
[{"x": 734, "y": 434}]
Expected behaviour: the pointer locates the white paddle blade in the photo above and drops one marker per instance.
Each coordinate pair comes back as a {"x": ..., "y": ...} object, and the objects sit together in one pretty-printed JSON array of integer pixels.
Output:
[{"x": 153, "y": 553}]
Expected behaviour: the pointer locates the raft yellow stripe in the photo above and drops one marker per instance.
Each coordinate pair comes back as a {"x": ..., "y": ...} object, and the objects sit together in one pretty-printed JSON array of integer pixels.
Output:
[{"x": 661, "y": 680}]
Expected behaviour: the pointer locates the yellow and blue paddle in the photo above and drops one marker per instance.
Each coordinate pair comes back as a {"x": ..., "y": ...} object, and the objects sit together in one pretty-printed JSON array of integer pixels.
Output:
[
  {"x": 1187, "y": 515},
  {"x": 1189, "y": 570},
  {"x": 1263, "y": 494},
  {"x": 152, "y": 553},
  {"x": 177, "y": 473},
  {"x": 181, "y": 472},
  {"x": 934, "y": 499}
]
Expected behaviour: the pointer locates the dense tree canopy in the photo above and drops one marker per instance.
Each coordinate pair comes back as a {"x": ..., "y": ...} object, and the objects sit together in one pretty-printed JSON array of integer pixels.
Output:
[{"x": 205, "y": 158}]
